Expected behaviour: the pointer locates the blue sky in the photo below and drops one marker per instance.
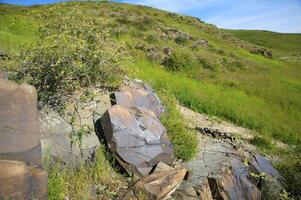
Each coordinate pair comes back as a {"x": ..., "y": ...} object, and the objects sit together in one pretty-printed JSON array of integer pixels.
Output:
[{"x": 274, "y": 15}]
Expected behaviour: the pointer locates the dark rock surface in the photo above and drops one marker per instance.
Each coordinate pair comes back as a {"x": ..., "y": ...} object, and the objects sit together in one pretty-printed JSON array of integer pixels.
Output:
[
  {"x": 260, "y": 164},
  {"x": 137, "y": 138},
  {"x": 19, "y": 130},
  {"x": 139, "y": 94},
  {"x": 232, "y": 170},
  {"x": 233, "y": 183}
]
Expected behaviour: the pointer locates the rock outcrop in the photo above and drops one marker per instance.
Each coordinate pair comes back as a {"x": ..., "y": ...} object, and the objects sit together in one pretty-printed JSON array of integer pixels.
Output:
[
  {"x": 137, "y": 138},
  {"x": 133, "y": 130},
  {"x": 20, "y": 149},
  {"x": 20, "y": 181},
  {"x": 19, "y": 129},
  {"x": 139, "y": 94},
  {"x": 225, "y": 168}
]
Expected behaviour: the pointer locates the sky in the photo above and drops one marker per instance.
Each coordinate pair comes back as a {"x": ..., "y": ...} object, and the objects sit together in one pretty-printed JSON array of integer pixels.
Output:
[{"x": 273, "y": 15}]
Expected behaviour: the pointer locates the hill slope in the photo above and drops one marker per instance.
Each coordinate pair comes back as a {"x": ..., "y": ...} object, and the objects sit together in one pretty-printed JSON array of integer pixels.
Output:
[
  {"x": 204, "y": 68},
  {"x": 284, "y": 42}
]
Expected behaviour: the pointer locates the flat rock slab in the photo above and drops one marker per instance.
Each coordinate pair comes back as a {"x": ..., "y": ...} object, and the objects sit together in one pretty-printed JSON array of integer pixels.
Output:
[
  {"x": 21, "y": 182},
  {"x": 137, "y": 138},
  {"x": 228, "y": 170},
  {"x": 139, "y": 94},
  {"x": 19, "y": 130},
  {"x": 161, "y": 183},
  {"x": 234, "y": 183}
]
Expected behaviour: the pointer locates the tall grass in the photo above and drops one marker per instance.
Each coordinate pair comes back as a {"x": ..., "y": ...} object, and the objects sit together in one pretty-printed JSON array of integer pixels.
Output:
[
  {"x": 184, "y": 141},
  {"x": 232, "y": 104},
  {"x": 97, "y": 179}
]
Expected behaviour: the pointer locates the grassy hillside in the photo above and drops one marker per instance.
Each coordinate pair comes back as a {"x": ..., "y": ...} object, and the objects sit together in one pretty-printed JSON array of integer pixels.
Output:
[
  {"x": 204, "y": 68},
  {"x": 280, "y": 43}
]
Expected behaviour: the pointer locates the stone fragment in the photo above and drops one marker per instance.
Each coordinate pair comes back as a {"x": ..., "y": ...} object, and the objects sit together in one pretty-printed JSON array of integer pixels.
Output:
[
  {"x": 260, "y": 164},
  {"x": 160, "y": 184},
  {"x": 21, "y": 182},
  {"x": 234, "y": 184},
  {"x": 139, "y": 94},
  {"x": 203, "y": 191},
  {"x": 19, "y": 130},
  {"x": 137, "y": 138}
]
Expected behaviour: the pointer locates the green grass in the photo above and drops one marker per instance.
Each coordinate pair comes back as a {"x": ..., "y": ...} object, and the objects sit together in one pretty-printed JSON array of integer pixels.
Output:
[
  {"x": 79, "y": 183},
  {"x": 184, "y": 141},
  {"x": 231, "y": 104},
  {"x": 282, "y": 42},
  {"x": 17, "y": 30},
  {"x": 222, "y": 79}
]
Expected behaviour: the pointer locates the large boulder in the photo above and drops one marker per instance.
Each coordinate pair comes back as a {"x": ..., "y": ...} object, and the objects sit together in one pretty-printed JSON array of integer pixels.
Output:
[
  {"x": 21, "y": 182},
  {"x": 139, "y": 94},
  {"x": 137, "y": 138},
  {"x": 19, "y": 130}
]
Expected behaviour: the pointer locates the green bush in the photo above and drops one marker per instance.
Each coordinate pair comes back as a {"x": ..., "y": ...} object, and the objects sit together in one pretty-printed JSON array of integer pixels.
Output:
[
  {"x": 181, "y": 39},
  {"x": 78, "y": 52},
  {"x": 152, "y": 39},
  {"x": 205, "y": 64},
  {"x": 180, "y": 60}
]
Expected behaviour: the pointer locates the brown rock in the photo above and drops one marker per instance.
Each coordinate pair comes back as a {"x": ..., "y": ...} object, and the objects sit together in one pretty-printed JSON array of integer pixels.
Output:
[
  {"x": 19, "y": 131},
  {"x": 260, "y": 164},
  {"x": 19, "y": 181},
  {"x": 204, "y": 191},
  {"x": 138, "y": 94},
  {"x": 3, "y": 75},
  {"x": 161, "y": 184},
  {"x": 137, "y": 138},
  {"x": 234, "y": 184}
]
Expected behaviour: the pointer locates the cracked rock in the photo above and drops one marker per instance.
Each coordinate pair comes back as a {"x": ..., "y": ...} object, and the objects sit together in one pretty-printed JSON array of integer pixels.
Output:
[
  {"x": 137, "y": 138},
  {"x": 139, "y": 94}
]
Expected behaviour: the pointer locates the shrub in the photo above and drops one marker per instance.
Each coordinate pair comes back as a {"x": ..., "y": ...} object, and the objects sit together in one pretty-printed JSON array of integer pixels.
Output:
[
  {"x": 75, "y": 53},
  {"x": 205, "y": 64},
  {"x": 151, "y": 38},
  {"x": 181, "y": 39},
  {"x": 179, "y": 61}
]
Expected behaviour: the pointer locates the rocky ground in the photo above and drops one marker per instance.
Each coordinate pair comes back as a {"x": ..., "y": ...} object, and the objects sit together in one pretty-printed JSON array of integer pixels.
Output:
[{"x": 226, "y": 166}]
